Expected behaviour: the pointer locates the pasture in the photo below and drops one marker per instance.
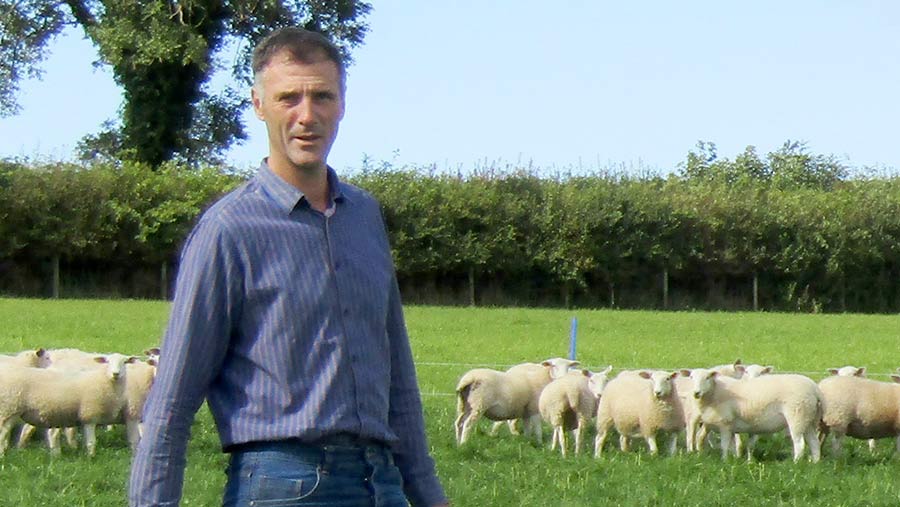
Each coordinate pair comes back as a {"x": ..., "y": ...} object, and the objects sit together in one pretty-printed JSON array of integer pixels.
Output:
[{"x": 507, "y": 470}]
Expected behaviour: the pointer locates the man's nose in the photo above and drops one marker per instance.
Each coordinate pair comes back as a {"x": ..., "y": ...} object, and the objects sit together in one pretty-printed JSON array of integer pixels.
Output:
[{"x": 305, "y": 113}]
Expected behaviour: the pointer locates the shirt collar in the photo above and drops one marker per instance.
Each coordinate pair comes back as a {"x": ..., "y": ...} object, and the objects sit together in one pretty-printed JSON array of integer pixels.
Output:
[{"x": 288, "y": 196}]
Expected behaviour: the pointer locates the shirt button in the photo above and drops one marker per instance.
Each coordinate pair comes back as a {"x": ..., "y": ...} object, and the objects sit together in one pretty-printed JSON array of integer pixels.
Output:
[{"x": 346, "y": 311}]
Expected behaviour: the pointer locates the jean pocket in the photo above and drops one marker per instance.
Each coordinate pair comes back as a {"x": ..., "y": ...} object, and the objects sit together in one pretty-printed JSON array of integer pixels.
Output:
[{"x": 284, "y": 491}]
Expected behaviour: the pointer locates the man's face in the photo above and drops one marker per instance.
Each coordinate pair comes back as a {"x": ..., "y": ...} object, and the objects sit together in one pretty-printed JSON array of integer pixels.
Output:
[{"x": 302, "y": 104}]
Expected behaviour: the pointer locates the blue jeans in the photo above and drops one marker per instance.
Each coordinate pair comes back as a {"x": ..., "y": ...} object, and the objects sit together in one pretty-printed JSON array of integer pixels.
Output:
[{"x": 289, "y": 474}]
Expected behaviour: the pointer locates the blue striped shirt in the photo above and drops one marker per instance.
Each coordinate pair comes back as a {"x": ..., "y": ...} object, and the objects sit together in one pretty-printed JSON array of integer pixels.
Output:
[{"x": 288, "y": 322}]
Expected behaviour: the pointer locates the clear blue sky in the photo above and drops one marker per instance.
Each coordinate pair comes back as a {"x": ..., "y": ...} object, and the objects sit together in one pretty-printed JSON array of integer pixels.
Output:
[{"x": 565, "y": 85}]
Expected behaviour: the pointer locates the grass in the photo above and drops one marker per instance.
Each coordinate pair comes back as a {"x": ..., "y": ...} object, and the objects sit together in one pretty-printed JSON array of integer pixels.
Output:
[{"x": 507, "y": 470}]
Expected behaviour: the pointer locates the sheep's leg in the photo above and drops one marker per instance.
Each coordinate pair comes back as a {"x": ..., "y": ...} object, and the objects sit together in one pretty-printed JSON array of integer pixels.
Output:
[
  {"x": 553, "y": 438},
  {"x": 25, "y": 435},
  {"x": 562, "y": 441},
  {"x": 751, "y": 443},
  {"x": 599, "y": 440},
  {"x": 623, "y": 443},
  {"x": 71, "y": 439},
  {"x": 5, "y": 428},
  {"x": 700, "y": 437},
  {"x": 738, "y": 444},
  {"x": 90, "y": 438},
  {"x": 132, "y": 429},
  {"x": 53, "y": 441},
  {"x": 871, "y": 445},
  {"x": 532, "y": 424},
  {"x": 725, "y": 438},
  {"x": 579, "y": 433},
  {"x": 651, "y": 443},
  {"x": 690, "y": 431},
  {"x": 815, "y": 450},
  {"x": 468, "y": 425},
  {"x": 898, "y": 445},
  {"x": 458, "y": 425},
  {"x": 799, "y": 443},
  {"x": 837, "y": 438},
  {"x": 673, "y": 443}
]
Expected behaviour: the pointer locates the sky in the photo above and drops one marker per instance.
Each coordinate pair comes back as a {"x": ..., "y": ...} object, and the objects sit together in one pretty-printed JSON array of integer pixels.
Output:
[{"x": 571, "y": 86}]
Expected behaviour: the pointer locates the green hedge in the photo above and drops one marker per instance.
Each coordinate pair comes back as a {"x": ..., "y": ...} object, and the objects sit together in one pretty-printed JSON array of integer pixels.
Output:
[{"x": 814, "y": 241}]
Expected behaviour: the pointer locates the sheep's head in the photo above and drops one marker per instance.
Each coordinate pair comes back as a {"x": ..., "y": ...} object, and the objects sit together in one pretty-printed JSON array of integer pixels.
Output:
[
  {"x": 848, "y": 371},
  {"x": 704, "y": 381},
  {"x": 662, "y": 382},
  {"x": 115, "y": 364},
  {"x": 597, "y": 380},
  {"x": 559, "y": 366}
]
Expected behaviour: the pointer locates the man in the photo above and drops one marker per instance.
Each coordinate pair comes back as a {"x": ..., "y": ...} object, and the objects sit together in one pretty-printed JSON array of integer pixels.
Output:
[{"x": 287, "y": 320}]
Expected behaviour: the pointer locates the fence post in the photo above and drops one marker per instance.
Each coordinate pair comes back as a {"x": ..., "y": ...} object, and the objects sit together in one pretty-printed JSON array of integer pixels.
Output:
[
  {"x": 665, "y": 288},
  {"x": 755, "y": 291},
  {"x": 55, "y": 267}
]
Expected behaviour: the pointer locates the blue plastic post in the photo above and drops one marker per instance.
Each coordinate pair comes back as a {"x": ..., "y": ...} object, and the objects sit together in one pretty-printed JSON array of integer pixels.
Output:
[{"x": 573, "y": 338}]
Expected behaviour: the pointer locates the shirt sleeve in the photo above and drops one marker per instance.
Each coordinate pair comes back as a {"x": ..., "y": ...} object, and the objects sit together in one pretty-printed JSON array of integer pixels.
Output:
[
  {"x": 195, "y": 342},
  {"x": 411, "y": 454}
]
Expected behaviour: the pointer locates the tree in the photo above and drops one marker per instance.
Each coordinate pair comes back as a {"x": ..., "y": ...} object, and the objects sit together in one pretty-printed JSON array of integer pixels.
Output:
[{"x": 163, "y": 53}]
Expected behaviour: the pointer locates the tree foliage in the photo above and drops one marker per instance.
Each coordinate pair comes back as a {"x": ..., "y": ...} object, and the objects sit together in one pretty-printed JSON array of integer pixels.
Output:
[{"x": 162, "y": 54}]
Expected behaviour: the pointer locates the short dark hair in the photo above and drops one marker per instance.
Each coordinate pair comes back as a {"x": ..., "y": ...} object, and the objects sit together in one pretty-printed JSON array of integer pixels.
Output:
[{"x": 303, "y": 45}]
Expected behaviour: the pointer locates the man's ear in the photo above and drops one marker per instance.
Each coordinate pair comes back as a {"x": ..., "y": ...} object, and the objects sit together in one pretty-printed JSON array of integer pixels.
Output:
[{"x": 256, "y": 99}]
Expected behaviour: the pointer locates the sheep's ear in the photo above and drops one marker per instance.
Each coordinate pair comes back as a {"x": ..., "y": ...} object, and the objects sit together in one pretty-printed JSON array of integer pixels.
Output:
[
  {"x": 152, "y": 362},
  {"x": 152, "y": 352},
  {"x": 685, "y": 373},
  {"x": 644, "y": 374},
  {"x": 768, "y": 369},
  {"x": 40, "y": 352},
  {"x": 713, "y": 374},
  {"x": 740, "y": 369},
  {"x": 861, "y": 372},
  {"x": 674, "y": 374},
  {"x": 738, "y": 362},
  {"x": 895, "y": 378},
  {"x": 575, "y": 364},
  {"x": 586, "y": 373},
  {"x": 100, "y": 359},
  {"x": 607, "y": 369},
  {"x": 546, "y": 363},
  {"x": 131, "y": 360},
  {"x": 833, "y": 371}
]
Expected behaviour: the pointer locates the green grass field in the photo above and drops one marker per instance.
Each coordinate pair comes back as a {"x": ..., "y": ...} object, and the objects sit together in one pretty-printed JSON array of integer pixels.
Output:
[{"x": 507, "y": 470}]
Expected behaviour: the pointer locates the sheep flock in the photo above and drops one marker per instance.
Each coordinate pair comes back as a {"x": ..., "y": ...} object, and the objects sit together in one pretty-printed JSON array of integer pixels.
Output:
[
  {"x": 63, "y": 390},
  {"x": 727, "y": 407}
]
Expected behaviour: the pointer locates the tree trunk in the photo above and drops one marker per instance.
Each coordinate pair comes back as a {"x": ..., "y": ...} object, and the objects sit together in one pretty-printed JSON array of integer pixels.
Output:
[
  {"x": 612, "y": 295},
  {"x": 164, "y": 281},
  {"x": 55, "y": 267},
  {"x": 471, "y": 286},
  {"x": 665, "y": 279},
  {"x": 755, "y": 291}
]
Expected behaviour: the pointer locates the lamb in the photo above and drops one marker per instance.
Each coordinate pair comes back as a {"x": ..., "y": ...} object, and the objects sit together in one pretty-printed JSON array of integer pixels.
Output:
[
  {"x": 53, "y": 398},
  {"x": 861, "y": 408},
  {"x": 31, "y": 358},
  {"x": 505, "y": 395},
  {"x": 640, "y": 405},
  {"x": 764, "y": 404},
  {"x": 137, "y": 386},
  {"x": 743, "y": 372},
  {"x": 569, "y": 403},
  {"x": 848, "y": 371}
]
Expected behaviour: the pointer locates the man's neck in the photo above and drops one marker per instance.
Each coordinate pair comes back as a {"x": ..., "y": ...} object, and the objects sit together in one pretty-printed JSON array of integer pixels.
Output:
[{"x": 313, "y": 182}]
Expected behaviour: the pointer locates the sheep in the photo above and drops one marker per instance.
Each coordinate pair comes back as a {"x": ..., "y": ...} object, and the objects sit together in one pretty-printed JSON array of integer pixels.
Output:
[
  {"x": 137, "y": 386},
  {"x": 861, "y": 408},
  {"x": 505, "y": 395},
  {"x": 641, "y": 404},
  {"x": 569, "y": 403},
  {"x": 32, "y": 358},
  {"x": 53, "y": 398},
  {"x": 733, "y": 370},
  {"x": 764, "y": 404},
  {"x": 848, "y": 371}
]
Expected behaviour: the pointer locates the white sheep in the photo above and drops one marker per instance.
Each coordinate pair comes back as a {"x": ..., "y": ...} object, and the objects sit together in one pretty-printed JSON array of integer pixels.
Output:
[
  {"x": 505, "y": 395},
  {"x": 137, "y": 386},
  {"x": 569, "y": 403},
  {"x": 640, "y": 405},
  {"x": 764, "y": 404},
  {"x": 53, "y": 398},
  {"x": 848, "y": 371},
  {"x": 32, "y": 358},
  {"x": 861, "y": 408}
]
